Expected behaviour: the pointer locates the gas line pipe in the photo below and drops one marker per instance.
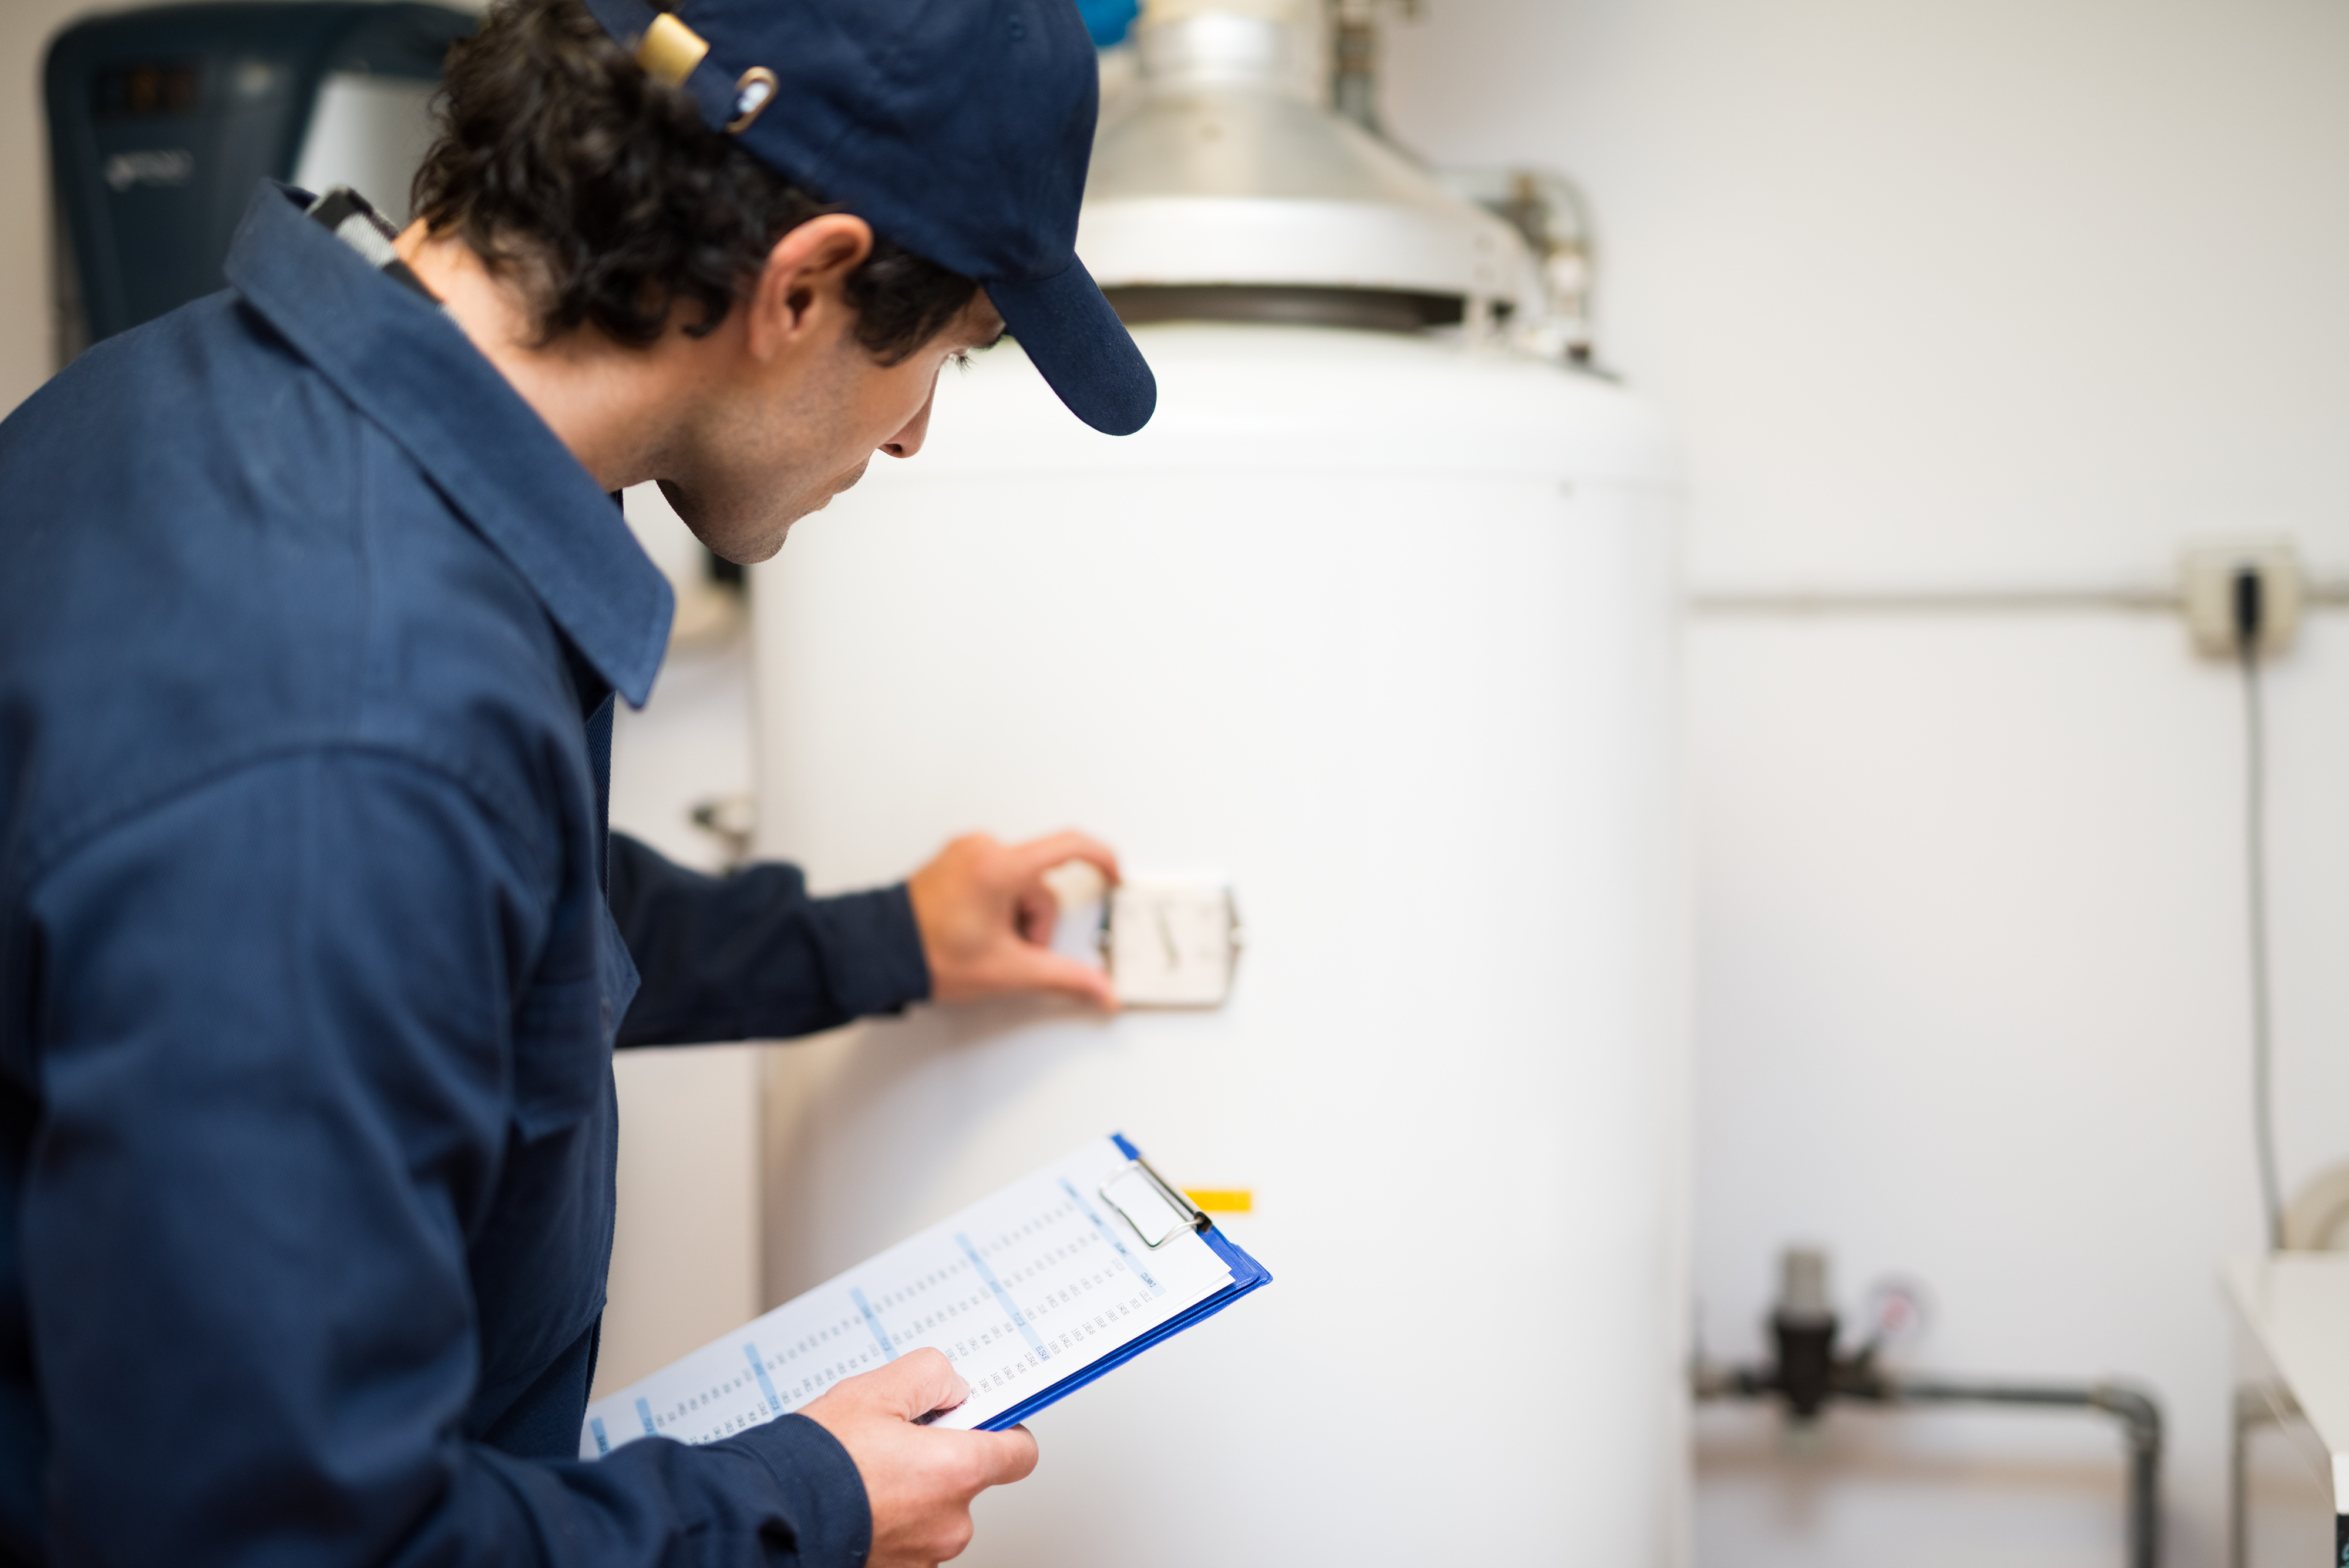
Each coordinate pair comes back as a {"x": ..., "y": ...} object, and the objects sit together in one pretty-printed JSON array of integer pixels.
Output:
[{"x": 1806, "y": 1374}]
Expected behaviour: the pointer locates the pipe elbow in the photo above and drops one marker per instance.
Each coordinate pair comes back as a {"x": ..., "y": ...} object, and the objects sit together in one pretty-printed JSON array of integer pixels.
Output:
[{"x": 2136, "y": 1409}]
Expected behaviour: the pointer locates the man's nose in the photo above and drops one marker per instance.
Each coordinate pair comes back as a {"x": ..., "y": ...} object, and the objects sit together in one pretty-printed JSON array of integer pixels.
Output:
[{"x": 909, "y": 441}]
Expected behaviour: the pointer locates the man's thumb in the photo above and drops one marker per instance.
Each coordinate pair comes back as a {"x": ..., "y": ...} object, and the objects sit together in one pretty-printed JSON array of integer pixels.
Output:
[
  {"x": 1043, "y": 970},
  {"x": 919, "y": 1382}
]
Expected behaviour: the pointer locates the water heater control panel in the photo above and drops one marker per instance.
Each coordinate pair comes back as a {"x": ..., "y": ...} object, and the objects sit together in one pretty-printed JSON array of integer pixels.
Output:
[
  {"x": 1165, "y": 941},
  {"x": 1171, "y": 943}
]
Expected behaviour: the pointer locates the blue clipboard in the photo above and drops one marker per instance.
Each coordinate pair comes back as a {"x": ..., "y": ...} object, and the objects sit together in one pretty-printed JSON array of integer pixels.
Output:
[{"x": 1247, "y": 1274}]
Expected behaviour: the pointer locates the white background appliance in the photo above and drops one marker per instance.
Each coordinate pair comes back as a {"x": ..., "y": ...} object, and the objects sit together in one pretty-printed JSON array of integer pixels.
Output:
[
  {"x": 1383, "y": 628},
  {"x": 1380, "y": 624}
]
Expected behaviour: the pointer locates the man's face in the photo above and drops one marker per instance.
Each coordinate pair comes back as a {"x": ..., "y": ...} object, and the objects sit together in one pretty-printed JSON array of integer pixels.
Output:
[{"x": 780, "y": 440}]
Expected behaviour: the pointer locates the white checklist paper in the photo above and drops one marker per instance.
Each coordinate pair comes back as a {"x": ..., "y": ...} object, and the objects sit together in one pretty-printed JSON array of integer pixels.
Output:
[{"x": 1020, "y": 1290}]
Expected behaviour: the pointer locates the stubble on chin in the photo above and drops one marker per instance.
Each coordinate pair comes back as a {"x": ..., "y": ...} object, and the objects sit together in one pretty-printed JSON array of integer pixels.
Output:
[
  {"x": 806, "y": 507},
  {"x": 733, "y": 533},
  {"x": 750, "y": 539},
  {"x": 762, "y": 540}
]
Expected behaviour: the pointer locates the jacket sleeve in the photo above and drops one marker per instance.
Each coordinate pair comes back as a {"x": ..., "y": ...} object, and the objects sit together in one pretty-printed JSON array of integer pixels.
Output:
[
  {"x": 277, "y": 1084},
  {"x": 751, "y": 956}
]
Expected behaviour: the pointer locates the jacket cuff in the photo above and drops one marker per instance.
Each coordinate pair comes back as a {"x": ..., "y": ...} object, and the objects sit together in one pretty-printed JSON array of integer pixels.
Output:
[
  {"x": 820, "y": 1492},
  {"x": 872, "y": 951}
]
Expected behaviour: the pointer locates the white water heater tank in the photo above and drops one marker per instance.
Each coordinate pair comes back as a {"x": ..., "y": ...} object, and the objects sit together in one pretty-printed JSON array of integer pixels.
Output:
[{"x": 1379, "y": 625}]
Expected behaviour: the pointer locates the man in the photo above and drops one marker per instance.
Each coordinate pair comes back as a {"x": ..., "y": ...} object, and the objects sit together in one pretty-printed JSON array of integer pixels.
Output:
[{"x": 313, "y": 945}]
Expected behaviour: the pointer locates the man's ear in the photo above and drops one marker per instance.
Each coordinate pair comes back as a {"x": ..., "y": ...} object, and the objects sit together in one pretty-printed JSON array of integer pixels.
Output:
[{"x": 804, "y": 280}]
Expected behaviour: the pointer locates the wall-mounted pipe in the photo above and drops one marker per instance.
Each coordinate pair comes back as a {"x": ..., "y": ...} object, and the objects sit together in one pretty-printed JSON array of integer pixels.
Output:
[
  {"x": 2332, "y": 592},
  {"x": 1806, "y": 1374}
]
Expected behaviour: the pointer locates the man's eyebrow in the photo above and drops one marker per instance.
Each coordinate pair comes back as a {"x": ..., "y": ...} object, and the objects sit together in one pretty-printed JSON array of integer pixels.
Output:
[{"x": 1001, "y": 332}]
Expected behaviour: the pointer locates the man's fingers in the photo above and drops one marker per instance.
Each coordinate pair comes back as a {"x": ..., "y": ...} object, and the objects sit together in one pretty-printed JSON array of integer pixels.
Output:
[
  {"x": 1038, "y": 855},
  {"x": 987, "y": 917},
  {"x": 918, "y": 1383},
  {"x": 1040, "y": 969},
  {"x": 1039, "y": 913},
  {"x": 1008, "y": 1456}
]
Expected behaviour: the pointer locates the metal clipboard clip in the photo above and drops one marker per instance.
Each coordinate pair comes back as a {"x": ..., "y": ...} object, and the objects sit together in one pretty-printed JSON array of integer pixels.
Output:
[{"x": 1155, "y": 1207}]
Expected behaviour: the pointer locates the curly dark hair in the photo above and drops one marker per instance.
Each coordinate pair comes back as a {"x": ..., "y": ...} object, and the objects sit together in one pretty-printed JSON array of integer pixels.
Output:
[{"x": 561, "y": 164}]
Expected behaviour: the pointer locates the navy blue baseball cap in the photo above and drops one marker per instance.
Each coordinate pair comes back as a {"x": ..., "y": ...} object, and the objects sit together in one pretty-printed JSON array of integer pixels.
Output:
[{"x": 960, "y": 128}]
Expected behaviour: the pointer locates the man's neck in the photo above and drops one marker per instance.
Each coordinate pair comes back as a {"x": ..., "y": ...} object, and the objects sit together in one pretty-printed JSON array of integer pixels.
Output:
[{"x": 609, "y": 403}]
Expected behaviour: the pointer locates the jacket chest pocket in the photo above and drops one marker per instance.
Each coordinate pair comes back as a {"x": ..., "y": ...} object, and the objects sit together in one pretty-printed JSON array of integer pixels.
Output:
[{"x": 565, "y": 1023}]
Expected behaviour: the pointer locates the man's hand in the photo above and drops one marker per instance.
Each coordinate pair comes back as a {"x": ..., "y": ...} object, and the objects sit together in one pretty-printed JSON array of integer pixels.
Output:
[
  {"x": 918, "y": 1480},
  {"x": 987, "y": 919}
]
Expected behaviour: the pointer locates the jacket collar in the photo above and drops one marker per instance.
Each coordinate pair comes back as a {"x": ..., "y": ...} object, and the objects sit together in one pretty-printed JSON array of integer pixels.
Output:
[{"x": 413, "y": 372}]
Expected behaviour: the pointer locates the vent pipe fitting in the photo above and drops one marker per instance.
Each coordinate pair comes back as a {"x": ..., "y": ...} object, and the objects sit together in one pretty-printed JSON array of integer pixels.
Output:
[
  {"x": 1354, "y": 65},
  {"x": 1218, "y": 193}
]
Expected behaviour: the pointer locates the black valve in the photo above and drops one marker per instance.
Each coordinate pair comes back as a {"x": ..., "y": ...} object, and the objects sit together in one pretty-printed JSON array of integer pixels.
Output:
[{"x": 1804, "y": 1324}]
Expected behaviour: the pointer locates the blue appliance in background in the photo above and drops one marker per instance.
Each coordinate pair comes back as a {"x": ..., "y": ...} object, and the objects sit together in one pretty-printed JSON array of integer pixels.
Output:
[
  {"x": 1109, "y": 21},
  {"x": 162, "y": 120}
]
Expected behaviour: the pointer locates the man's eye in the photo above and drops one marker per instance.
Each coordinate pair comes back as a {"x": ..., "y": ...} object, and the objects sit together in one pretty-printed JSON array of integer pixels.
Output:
[{"x": 962, "y": 361}]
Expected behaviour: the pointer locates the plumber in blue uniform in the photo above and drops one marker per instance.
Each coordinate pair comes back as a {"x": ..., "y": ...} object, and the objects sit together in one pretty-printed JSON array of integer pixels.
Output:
[{"x": 314, "y": 606}]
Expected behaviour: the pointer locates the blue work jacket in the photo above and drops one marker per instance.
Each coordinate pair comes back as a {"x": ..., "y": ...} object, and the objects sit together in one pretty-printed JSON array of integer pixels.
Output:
[{"x": 313, "y": 950}]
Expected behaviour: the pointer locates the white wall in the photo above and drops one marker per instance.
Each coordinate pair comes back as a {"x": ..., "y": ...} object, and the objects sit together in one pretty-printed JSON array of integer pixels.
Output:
[{"x": 1953, "y": 296}]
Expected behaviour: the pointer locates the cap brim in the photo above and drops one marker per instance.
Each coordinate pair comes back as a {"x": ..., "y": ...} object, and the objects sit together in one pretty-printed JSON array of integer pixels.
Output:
[{"x": 1082, "y": 350}]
